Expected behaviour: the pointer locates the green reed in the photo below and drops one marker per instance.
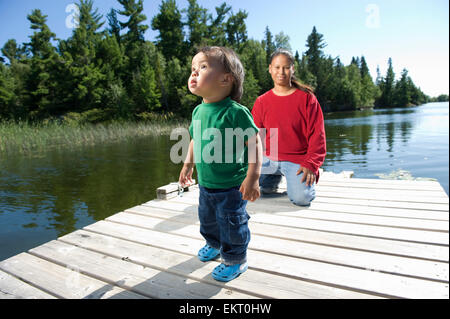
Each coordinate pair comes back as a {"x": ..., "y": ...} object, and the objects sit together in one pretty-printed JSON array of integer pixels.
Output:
[{"x": 24, "y": 137}]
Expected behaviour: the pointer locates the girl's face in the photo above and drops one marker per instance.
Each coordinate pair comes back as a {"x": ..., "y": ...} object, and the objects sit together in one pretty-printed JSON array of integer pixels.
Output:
[
  {"x": 207, "y": 77},
  {"x": 281, "y": 70}
]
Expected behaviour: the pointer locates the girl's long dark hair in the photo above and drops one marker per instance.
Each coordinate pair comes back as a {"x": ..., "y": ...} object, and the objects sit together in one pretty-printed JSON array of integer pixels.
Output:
[{"x": 294, "y": 81}]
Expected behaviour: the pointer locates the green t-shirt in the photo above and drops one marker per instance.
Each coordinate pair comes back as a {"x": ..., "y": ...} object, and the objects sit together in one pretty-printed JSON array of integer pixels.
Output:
[{"x": 220, "y": 131}]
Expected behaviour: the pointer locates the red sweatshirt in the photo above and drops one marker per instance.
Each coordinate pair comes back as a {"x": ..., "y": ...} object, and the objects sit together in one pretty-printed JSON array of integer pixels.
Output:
[{"x": 301, "y": 130}]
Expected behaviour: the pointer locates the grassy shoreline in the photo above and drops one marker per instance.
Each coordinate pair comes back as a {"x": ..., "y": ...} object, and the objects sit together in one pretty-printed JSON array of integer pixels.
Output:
[{"x": 26, "y": 138}]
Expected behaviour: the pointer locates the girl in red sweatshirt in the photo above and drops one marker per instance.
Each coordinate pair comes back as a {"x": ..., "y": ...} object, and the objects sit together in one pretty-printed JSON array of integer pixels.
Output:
[{"x": 292, "y": 120}]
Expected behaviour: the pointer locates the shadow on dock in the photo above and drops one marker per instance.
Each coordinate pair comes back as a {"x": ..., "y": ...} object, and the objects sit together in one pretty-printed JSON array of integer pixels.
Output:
[{"x": 156, "y": 287}]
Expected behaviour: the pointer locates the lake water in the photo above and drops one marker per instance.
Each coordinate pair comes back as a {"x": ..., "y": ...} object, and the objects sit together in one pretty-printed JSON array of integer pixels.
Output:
[{"x": 45, "y": 196}]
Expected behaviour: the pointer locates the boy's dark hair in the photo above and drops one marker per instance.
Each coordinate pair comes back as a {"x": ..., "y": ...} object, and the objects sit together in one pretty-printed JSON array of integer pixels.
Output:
[{"x": 232, "y": 64}]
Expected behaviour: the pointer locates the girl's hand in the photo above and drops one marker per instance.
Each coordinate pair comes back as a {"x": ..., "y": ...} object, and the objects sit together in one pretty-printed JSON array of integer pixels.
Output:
[
  {"x": 308, "y": 175},
  {"x": 186, "y": 174},
  {"x": 250, "y": 189}
]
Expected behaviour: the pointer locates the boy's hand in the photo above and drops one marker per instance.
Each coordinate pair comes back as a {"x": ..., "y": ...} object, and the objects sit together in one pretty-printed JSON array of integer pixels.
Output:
[
  {"x": 250, "y": 189},
  {"x": 186, "y": 174},
  {"x": 250, "y": 185}
]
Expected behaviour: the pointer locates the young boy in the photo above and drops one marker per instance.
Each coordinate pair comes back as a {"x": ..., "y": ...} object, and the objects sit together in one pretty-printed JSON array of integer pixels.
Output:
[{"x": 228, "y": 175}]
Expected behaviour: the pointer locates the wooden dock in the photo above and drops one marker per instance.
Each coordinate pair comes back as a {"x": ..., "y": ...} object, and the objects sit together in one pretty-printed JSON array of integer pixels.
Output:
[{"x": 360, "y": 238}]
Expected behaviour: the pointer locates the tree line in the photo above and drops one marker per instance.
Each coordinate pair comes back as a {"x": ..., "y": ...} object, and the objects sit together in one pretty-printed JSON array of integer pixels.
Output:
[{"x": 106, "y": 70}]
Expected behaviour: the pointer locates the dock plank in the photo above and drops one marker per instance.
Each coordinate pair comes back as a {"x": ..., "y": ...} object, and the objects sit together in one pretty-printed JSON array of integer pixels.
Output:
[
  {"x": 181, "y": 263},
  {"x": 145, "y": 281},
  {"x": 351, "y": 217},
  {"x": 367, "y": 281},
  {"x": 364, "y": 260},
  {"x": 386, "y": 246},
  {"x": 13, "y": 288},
  {"x": 62, "y": 282},
  {"x": 419, "y": 185},
  {"x": 392, "y": 193},
  {"x": 281, "y": 203},
  {"x": 421, "y": 236},
  {"x": 393, "y": 197},
  {"x": 360, "y": 238},
  {"x": 431, "y": 188}
]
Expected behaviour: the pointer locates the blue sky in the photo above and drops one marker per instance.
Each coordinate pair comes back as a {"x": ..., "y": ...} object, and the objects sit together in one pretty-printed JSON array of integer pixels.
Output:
[{"x": 415, "y": 33}]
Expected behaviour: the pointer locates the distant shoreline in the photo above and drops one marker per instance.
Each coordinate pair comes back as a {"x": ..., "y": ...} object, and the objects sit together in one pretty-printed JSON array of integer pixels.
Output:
[{"x": 28, "y": 138}]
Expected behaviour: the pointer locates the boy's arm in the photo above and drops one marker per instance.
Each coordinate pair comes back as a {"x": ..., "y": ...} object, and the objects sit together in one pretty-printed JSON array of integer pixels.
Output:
[
  {"x": 188, "y": 167},
  {"x": 250, "y": 186},
  {"x": 254, "y": 156},
  {"x": 190, "y": 154}
]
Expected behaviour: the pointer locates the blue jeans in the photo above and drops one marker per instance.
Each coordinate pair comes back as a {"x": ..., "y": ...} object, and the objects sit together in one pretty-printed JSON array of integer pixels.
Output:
[
  {"x": 224, "y": 223},
  {"x": 271, "y": 173}
]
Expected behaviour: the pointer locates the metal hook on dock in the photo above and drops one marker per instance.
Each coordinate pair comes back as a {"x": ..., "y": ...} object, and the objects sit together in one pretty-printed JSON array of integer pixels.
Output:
[{"x": 180, "y": 190}]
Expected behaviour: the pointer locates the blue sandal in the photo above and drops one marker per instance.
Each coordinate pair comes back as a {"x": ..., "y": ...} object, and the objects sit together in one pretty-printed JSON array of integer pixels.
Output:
[
  {"x": 228, "y": 272},
  {"x": 208, "y": 253}
]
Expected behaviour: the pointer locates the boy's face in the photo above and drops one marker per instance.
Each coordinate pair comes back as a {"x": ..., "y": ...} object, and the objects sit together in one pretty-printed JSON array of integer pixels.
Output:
[{"x": 207, "y": 77}]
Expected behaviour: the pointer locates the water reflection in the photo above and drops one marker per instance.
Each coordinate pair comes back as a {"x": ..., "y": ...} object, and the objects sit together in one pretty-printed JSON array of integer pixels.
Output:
[
  {"x": 355, "y": 132},
  {"x": 330, "y": 117},
  {"x": 371, "y": 142},
  {"x": 64, "y": 190}
]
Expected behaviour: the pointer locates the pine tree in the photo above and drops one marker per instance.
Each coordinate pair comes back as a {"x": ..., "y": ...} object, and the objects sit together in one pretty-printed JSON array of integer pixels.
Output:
[
  {"x": 269, "y": 45},
  {"x": 84, "y": 84},
  {"x": 111, "y": 57},
  {"x": 13, "y": 52},
  {"x": 379, "y": 77},
  {"x": 406, "y": 93},
  {"x": 171, "y": 36},
  {"x": 134, "y": 51},
  {"x": 417, "y": 96},
  {"x": 253, "y": 57},
  {"x": 216, "y": 34},
  {"x": 340, "y": 93},
  {"x": 251, "y": 90},
  {"x": 175, "y": 77},
  {"x": 354, "y": 81},
  {"x": 16, "y": 77},
  {"x": 197, "y": 19},
  {"x": 368, "y": 89},
  {"x": 364, "y": 69},
  {"x": 132, "y": 9},
  {"x": 315, "y": 44},
  {"x": 41, "y": 82},
  {"x": 387, "y": 87},
  {"x": 144, "y": 89},
  {"x": 402, "y": 91},
  {"x": 160, "y": 66},
  {"x": 113, "y": 63},
  {"x": 12, "y": 81},
  {"x": 282, "y": 41},
  {"x": 236, "y": 30},
  {"x": 6, "y": 92},
  {"x": 114, "y": 25},
  {"x": 297, "y": 58},
  {"x": 304, "y": 74},
  {"x": 318, "y": 65},
  {"x": 324, "y": 80}
]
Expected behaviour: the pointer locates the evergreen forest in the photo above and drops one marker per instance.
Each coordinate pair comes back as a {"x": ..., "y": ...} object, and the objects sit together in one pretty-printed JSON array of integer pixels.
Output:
[{"x": 106, "y": 70}]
